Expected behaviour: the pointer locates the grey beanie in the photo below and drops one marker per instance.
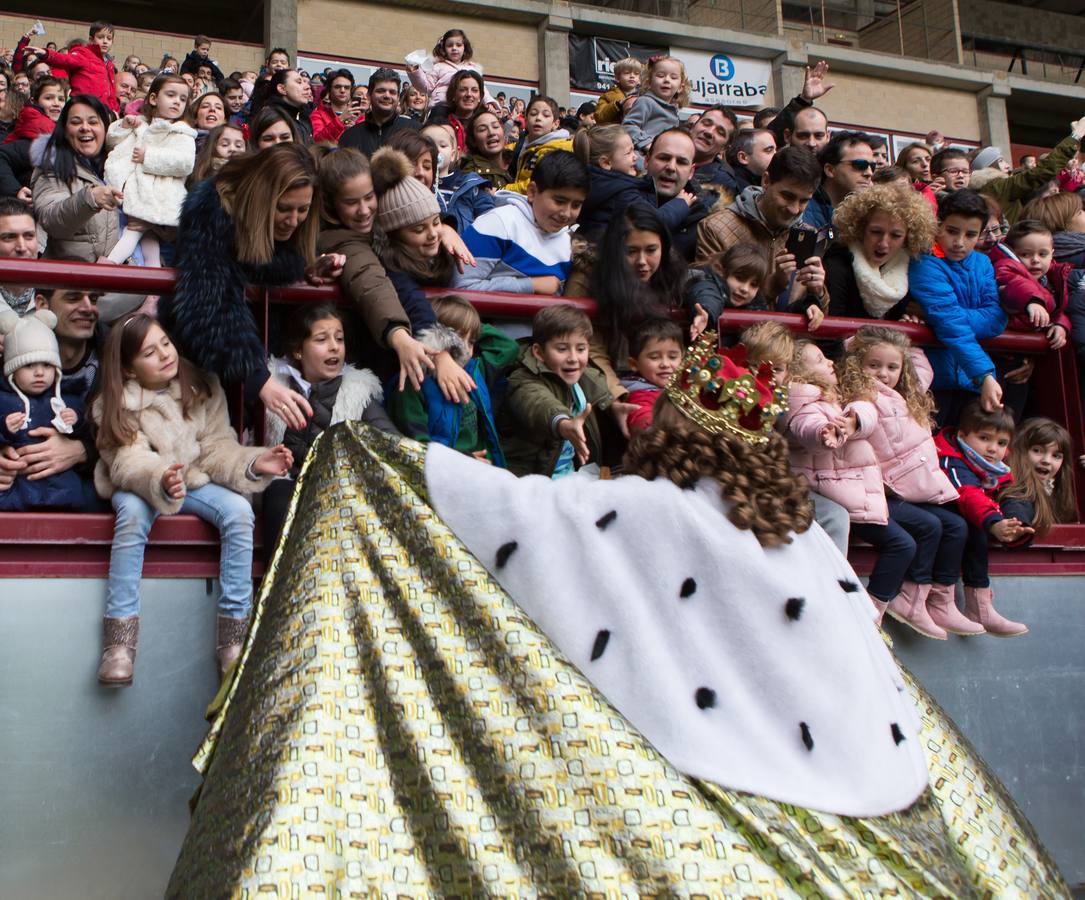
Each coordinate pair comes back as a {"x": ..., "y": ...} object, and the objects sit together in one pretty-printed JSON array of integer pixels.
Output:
[{"x": 987, "y": 157}]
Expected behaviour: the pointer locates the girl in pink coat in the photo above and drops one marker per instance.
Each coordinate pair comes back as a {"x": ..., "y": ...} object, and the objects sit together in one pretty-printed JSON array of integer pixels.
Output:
[
  {"x": 883, "y": 368},
  {"x": 452, "y": 54},
  {"x": 829, "y": 445}
]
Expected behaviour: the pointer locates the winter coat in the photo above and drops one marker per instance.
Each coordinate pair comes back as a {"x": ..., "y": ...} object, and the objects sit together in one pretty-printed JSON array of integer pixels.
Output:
[
  {"x": 644, "y": 399},
  {"x": 193, "y": 61},
  {"x": 1012, "y": 191},
  {"x": 819, "y": 211},
  {"x": 62, "y": 491},
  {"x": 904, "y": 448},
  {"x": 1018, "y": 289},
  {"x": 207, "y": 315},
  {"x": 975, "y": 502},
  {"x": 154, "y": 190},
  {"x": 647, "y": 117},
  {"x": 15, "y": 168},
  {"x": 1070, "y": 248},
  {"x": 510, "y": 249},
  {"x": 327, "y": 126},
  {"x": 739, "y": 221},
  {"x": 426, "y": 415},
  {"x": 89, "y": 72},
  {"x": 68, "y": 213},
  {"x": 708, "y": 289},
  {"x": 536, "y": 396},
  {"x": 611, "y": 193},
  {"x": 204, "y": 443},
  {"x": 534, "y": 151},
  {"x": 608, "y": 108},
  {"x": 718, "y": 174},
  {"x": 435, "y": 83},
  {"x": 464, "y": 196},
  {"x": 368, "y": 137},
  {"x": 495, "y": 173},
  {"x": 848, "y": 475},
  {"x": 960, "y": 304},
  {"x": 843, "y": 287},
  {"x": 31, "y": 122}
]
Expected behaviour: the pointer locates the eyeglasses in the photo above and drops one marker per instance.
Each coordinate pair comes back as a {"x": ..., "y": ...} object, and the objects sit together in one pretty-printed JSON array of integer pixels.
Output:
[
  {"x": 996, "y": 230},
  {"x": 862, "y": 165},
  {"x": 956, "y": 171}
]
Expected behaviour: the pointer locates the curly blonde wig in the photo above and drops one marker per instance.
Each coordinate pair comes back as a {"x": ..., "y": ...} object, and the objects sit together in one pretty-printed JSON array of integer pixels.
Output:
[
  {"x": 850, "y": 218},
  {"x": 766, "y": 497},
  {"x": 857, "y": 384}
]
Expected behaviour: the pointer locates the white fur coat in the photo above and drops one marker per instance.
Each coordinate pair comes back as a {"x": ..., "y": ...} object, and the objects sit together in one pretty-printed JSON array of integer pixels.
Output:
[
  {"x": 758, "y": 669},
  {"x": 154, "y": 189},
  {"x": 359, "y": 388}
]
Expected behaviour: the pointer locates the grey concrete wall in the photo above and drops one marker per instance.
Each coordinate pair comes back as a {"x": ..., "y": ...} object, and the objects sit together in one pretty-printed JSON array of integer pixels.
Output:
[
  {"x": 96, "y": 782},
  {"x": 1026, "y": 23}
]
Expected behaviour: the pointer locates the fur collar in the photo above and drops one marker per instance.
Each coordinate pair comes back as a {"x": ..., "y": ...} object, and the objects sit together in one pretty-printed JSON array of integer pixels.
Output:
[
  {"x": 880, "y": 290},
  {"x": 137, "y": 398},
  {"x": 359, "y": 388},
  {"x": 440, "y": 337}
]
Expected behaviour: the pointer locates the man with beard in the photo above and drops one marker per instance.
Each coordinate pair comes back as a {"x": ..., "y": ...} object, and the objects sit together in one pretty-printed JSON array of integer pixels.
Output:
[
  {"x": 383, "y": 118},
  {"x": 711, "y": 135}
]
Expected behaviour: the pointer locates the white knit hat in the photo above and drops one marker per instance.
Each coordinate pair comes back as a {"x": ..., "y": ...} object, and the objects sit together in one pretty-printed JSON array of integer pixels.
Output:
[
  {"x": 986, "y": 158},
  {"x": 29, "y": 340}
]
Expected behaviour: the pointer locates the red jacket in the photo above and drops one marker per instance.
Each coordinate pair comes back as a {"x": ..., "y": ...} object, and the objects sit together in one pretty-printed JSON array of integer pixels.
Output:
[
  {"x": 1017, "y": 289},
  {"x": 89, "y": 72},
  {"x": 645, "y": 401},
  {"x": 31, "y": 122},
  {"x": 327, "y": 126},
  {"x": 975, "y": 502}
]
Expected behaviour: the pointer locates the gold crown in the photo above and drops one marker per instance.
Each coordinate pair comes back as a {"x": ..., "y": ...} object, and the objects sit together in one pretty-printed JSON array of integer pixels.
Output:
[{"x": 716, "y": 389}]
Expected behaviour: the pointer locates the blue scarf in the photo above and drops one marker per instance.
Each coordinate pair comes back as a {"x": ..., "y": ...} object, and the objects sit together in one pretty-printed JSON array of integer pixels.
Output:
[{"x": 992, "y": 471}]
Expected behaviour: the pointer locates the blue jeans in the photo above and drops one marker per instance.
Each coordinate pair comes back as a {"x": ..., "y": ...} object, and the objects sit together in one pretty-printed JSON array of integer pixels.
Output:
[
  {"x": 939, "y": 535},
  {"x": 229, "y": 512}
]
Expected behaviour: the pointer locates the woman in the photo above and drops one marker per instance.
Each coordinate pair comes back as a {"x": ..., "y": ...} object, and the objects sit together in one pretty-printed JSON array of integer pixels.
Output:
[
  {"x": 255, "y": 222},
  {"x": 204, "y": 113},
  {"x": 657, "y": 732},
  {"x": 915, "y": 159},
  {"x": 9, "y": 105},
  {"x": 288, "y": 91},
  {"x": 272, "y": 126},
  {"x": 72, "y": 202},
  {"x": 877, "y": 232},
  {"x": 334, "y": 114},
  {"x": 1063, "y": 216},
  {"x": 465, "y": 93},
  {"x": 485, "y": 136},
  {"x": 413, "y": 103}
]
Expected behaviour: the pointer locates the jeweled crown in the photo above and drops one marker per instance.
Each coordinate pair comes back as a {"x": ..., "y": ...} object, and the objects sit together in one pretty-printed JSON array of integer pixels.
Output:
[{"x": 717, "y": 390}]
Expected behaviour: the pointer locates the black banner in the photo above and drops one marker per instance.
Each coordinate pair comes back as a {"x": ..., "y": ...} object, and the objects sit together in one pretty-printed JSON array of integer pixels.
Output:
[{"x": 591, "y": 60}]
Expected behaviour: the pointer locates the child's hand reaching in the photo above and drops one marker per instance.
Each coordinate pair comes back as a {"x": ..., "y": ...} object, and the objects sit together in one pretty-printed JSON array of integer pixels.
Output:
[
  {"x": 572, "y": 430},
  {"x": 814, "y": 317},
  {"x": 621, "y": 411},
  {"x": 700, "y": 322},
  {"x": 173, "y": 482},
  {"x": 831, "y": 437},
  {"x": 453, "y": 245},
  {"x": 414, "y": 358},
  {"x": 14, "y": 422},
  {"x": 847, "y": 425},
  {"x": 453, "y": 381},
  {"x": 1056, "y": 337},
  {"x": 1038, "y": 316},
  {"x": 1009, "y": 531},
  {"x": 483, "y": 456},
  {"x": 275, "y": 460}
]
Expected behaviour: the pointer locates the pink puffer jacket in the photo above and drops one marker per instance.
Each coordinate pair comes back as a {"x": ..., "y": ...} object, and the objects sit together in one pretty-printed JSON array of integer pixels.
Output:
[
  {"x": 848, "y": 475},
  {"x": 905, "y": 449}
]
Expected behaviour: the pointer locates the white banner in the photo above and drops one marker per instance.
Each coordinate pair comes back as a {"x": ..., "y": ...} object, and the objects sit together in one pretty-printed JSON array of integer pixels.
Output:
[{"x": 719, "y": 78}]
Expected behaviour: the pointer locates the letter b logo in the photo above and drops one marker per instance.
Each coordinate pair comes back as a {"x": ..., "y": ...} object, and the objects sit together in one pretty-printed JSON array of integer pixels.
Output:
[{"x": 722, "y": 67}]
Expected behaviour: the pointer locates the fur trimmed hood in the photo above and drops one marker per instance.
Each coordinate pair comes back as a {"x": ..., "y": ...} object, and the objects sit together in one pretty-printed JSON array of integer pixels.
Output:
[
  {"x": 359, "y": 388},
  {"x": 440, "y": 337}
]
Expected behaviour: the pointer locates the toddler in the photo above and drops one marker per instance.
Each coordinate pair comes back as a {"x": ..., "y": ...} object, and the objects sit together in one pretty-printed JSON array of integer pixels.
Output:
[
  {"x": 655, "y": 353},
  {"x": 973, "y": 455},
  {"x": 1042, "y": 491},
  {"x": 665, "y": 88},
  {"x": 425, "y": 414},
  {"x": 542, "y": 135},
  {"x": 152, "y": 155},
  {"x": 223, "y": 143},
  {"x": 611, "y": 106},
  {"x": 453, "y": 53},
  {"x": 464, "y": 196},
  {"x": 30, "y": 398}
]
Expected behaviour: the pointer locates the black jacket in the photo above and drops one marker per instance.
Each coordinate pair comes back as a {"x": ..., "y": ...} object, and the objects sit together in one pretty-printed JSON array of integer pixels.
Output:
[
  {"x": 193, "y": 62},
  {"x": 369, "y": 137},
  {"x": 717, "y": 173},
  {"x": 300, "y": 115},
  {"x": 844, "y": 297}
]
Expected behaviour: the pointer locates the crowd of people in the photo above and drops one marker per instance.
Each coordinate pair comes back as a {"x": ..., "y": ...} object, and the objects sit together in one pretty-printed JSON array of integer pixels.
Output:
[{"x": 401, "y": 185}]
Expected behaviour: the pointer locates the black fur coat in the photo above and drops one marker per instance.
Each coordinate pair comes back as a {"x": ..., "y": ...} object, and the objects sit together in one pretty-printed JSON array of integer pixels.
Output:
[{"x": 208, "y": 317}]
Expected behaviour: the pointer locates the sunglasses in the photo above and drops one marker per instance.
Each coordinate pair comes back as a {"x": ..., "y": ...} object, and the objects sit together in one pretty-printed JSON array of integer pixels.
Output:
[{"x": 862, "y": 165}]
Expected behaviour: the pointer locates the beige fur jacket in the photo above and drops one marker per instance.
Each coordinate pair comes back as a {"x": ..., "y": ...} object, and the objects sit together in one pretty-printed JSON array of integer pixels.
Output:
[{"x": 205, "y": 443}]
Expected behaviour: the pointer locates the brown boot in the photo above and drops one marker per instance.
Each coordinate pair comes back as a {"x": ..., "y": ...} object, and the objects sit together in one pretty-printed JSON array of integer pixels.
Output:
[
  {"x": 942, "y": 605},
  {"x": 979, "y": 606},
  {"x": 910, "y": 607},
  {"x": 231, "y": 635},
  {"x": 119, "y": 639}
]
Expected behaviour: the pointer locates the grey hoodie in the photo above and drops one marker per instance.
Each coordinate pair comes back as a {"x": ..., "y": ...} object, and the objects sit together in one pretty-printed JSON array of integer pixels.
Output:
[{"x": 648, "y": 117}]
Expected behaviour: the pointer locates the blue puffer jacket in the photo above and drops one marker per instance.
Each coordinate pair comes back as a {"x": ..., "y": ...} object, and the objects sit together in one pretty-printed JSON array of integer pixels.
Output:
[
  {"x": 63, "y": 491},
  {"x": 464, "y": 196},
  {"x": 960, "y": 303}
]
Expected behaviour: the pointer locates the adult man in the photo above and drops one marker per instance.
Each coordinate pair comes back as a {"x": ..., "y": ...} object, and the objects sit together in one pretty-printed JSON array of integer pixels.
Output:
[
  {"x": 809, "y": 129},
  {"x": 126, "y": 88},
  {"x": 383, "y": 119},
  {"x": 951, "y": 165},
  {"x": 76, "y": 332},
  {"x": 847, "y": 164},
  {"x": 800, "y": 123},
  {"x": 763, "y": 215},
  {"x": 18, "y": 238},
  {"x": 711, "y": 134},
  {"x": 749, "y": 154},
  {"x": 669, "y": 165},
  {"x": 333, "y": 114}
]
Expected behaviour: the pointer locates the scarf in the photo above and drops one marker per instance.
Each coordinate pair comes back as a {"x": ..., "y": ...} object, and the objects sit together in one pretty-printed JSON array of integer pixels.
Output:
[
  {"x": 992, "y": 471},
  {"x": 880, "y": 289}
]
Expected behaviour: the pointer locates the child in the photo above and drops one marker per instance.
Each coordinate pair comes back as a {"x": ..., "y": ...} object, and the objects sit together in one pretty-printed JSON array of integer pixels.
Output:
[
  {"x": 542, "y": 136},
  {"x": 167, "y": 447},
  {"x": 464, "y": 196},
  {"x": 772, "y": 343},
  {"x": 89, "y": 66},
  {"x": 611, "y": 106},
  {"x": 731, "y": 280},
  {"x": 972, "y": 456},
  {"x": 829, "y": 446},
  {"x": 1042, "y": 491},
  {"x": 956, "y": 289},
  {"x": 523, "y": 245},
  {"x": 427, "y": 415},
  {"x": 665, "y": 88},
  {"x": 199, "y": 57},
  {"x": 30, "y": 398},
  {"x": 40, "y": 115},
  {"x": 655, "y": 353},
  {"x": 882, "y": 367},
  {"x": 452, "y": 54},
  {"x": 315, "y": 366},
  {"x": 152, "y": 155},
  {"x": 548, "y": 423},
  {"x": 223, "y": 143}
]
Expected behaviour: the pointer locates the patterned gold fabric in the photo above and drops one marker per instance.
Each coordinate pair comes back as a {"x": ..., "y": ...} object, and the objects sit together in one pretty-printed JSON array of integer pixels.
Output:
[{"x": 399, "y": 728}]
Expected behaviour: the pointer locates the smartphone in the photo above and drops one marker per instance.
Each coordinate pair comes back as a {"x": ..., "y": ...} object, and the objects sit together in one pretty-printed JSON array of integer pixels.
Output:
[{"x": 801, "y": 243}]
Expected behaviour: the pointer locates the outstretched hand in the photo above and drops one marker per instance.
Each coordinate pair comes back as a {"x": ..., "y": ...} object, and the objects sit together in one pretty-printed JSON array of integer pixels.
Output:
[
  {"x": 572, "y": 430},
  {"x": 275, "y": 460},
  {"x": 700, "y": 322},
  {"x": 814, "y": 84}
]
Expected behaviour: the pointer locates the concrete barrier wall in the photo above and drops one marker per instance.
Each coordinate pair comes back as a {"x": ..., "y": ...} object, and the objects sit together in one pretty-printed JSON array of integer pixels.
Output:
[{"x": 96, "y": 782}]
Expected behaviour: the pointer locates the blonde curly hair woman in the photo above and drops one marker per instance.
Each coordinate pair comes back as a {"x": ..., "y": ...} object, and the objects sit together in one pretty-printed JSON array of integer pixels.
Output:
[{"x": 877, "y": 231}]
